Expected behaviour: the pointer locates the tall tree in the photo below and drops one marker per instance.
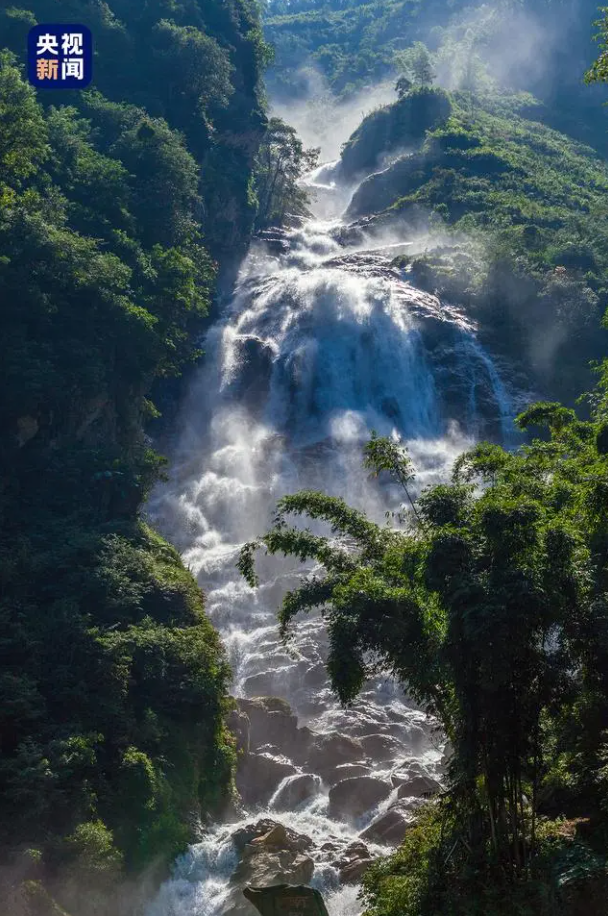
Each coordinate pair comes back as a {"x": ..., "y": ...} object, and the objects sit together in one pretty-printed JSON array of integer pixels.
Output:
[{"x": 282, "y": 161}]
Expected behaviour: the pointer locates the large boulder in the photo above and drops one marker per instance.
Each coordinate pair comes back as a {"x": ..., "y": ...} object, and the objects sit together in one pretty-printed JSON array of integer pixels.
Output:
[
  {"x": 305, "y": 901},
  {"x": 258, "y": 776},
  {"x": 381, "y": 747},
  {"x": 353, "y": 797},
  {"x": 270, "y": 854},
  {"x": 269, "y": 832},
  {"x": 419, "y": 786},
  {"x": 353, "y": 863},
  {"x": 329, "y": 751},
  {"x": 272, "y": 722},
  {"x": 295, "y": 791},
  {"x": 388, "y": 829},
  {"x": 346, "y": 771}
]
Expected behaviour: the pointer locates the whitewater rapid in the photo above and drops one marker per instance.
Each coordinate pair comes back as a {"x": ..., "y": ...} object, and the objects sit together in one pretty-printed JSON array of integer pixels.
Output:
[{"x": 319, "y": 345}]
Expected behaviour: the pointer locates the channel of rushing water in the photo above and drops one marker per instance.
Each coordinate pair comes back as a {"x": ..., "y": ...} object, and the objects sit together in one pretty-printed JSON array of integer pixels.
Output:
[{"x": 319, "y": 345}]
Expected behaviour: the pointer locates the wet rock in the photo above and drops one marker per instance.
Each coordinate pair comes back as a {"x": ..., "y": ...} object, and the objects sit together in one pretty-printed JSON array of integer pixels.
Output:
[
  {"x": 329, "y": 847},
  {"x": 418, "y": 786},
  {"x": 388, "y": 829},
  {"x": 272, "y": 721},
  {"x": 314, "y": 676},
  {"x": 352, "y": 797},
  {"x": 259, "y": 775},
  {"x": 265, "y": 866},
  {"x": 255, "y": 358},
  {"x": 354, "y": 863},
  {"x": 259, "y": 684},
  {"x": 381, "y": 747},
  {"x": 276, "y": 240},
  {"x": 408, "y": 805},
  {"x": 266, "y": 830},
  {"x": 354, "y": 871},
  {"x": 300, "y": 744},
  {"x": 300, "y": 899},
  {"x": 407, "y": 770},
  {"x": 270, "y": 854},
  {"x": 346, "y": 771},
  {"x": 328, "y": 751},
  {"x": 296, "y": 791},
  {"x": 356, "y": 850}
]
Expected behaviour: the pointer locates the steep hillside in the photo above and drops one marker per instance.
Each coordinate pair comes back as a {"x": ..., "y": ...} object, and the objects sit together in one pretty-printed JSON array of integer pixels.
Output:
[
  {"x": 540, "y": 46},
  {"x": 516, "y": 214},
  {"x": 116, "y": 206}
]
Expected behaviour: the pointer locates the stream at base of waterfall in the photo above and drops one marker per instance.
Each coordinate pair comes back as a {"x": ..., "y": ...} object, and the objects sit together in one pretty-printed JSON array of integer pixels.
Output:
[{"x": 320, "y": 344}]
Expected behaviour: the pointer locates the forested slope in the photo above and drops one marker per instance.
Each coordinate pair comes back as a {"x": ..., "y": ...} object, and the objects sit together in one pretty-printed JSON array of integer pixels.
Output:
[
  {"x": 515, "y": 211},
  {"x": 541, "y": 46},
  {"x": 116, "y": 207}
]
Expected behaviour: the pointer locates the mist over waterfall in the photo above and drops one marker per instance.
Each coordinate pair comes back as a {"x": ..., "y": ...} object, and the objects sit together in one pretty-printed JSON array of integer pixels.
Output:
[{"x": 320, "y": 344}]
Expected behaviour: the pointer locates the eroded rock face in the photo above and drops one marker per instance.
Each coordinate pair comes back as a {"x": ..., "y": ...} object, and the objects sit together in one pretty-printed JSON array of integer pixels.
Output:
[{"x": 353, "y": 797}]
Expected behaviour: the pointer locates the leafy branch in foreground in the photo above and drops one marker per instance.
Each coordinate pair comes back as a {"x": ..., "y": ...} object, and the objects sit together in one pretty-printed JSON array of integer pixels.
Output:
[{"x": 491, "y": 611}]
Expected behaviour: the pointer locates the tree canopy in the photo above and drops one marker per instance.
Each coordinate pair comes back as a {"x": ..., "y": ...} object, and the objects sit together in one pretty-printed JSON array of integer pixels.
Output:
[{"x": 113, "y": 685}]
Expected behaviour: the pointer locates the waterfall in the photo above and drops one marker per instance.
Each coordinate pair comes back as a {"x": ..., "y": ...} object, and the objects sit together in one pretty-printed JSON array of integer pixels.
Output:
[{"x": 320, "y": 345}]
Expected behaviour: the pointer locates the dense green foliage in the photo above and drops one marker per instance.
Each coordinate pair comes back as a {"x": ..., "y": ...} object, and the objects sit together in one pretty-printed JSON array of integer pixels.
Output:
[
  {"x": 281, "y": 162},
  {"x": 351, "y": 43},
  {"x": 492, "y": 607},
  {"x": 114, "y": 204},
  {"x": 542, "y": 46},
  {"x": 518, "y": 212}
]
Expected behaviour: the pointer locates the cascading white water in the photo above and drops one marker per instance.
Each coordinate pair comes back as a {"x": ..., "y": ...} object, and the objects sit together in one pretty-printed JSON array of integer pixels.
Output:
[{"x": 320, "y": 345}]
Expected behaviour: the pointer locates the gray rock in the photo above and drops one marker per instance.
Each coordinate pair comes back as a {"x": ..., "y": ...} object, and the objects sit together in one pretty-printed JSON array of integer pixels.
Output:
[
  {"x": 388, "y": 829},
  {"x": 418, "y": 786},
  {"x": 354, "y": 862},
  {"x": 290, "y": 839},
  {"x": 406, "y": 771},
  {"x": 352, "y": 797},
  {"x": 272, "y": 721},
  {"x": 259, "y": 775},
  {"x": 354, "y": 871},
  {"x": 346, "y": 771},
  {"x": 382, "y": 747},
  {"x": 257, "y": 685},
  {"x": 328, "y": 751},
  {"x": 296, "y": 791},
  {"x": 270, "y": 854}
]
